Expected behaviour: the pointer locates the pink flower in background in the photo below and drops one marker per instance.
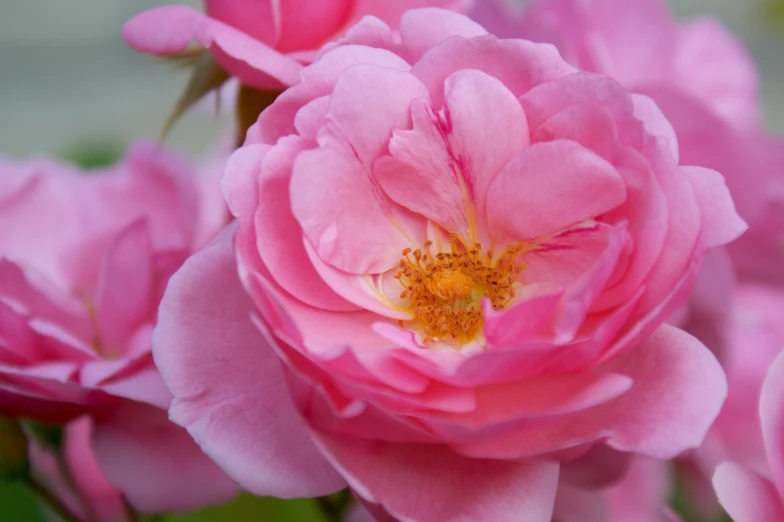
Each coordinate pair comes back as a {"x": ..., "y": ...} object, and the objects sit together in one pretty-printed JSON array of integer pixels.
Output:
[
  {"x": 641, "y": 46},
  {"x": 759, "y": 253},
  {"x": 753, "y": 337},
  {"x": 746, "y": 494},
  {"x": 264, "y": 43},
  {"x": 455, "y": 256},
  {"x": 84, "y": 260}
]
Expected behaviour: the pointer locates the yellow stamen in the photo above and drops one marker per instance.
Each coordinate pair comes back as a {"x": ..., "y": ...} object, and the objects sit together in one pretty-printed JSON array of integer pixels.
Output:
[{"x": 445, "y": 290}]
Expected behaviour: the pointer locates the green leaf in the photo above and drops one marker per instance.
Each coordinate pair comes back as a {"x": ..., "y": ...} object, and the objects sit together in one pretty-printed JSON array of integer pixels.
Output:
[
  {"x": 248, "y": 508},
  {"x": 17, "y": 503},
  {"x": 206, "y": 76}
]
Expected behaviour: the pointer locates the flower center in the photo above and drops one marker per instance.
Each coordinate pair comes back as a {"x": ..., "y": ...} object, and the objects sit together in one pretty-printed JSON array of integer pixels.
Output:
[{"x": 445, "y": 290}]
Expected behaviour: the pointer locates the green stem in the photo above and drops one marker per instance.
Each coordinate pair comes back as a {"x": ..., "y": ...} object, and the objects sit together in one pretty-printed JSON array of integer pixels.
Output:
[
  {"x": 51, "y": 501},
  {"x": 334, "y": 506}
]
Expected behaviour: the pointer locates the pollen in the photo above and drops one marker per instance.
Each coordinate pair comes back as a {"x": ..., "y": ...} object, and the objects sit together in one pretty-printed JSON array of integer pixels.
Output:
[{"x": 445, "y": 290}]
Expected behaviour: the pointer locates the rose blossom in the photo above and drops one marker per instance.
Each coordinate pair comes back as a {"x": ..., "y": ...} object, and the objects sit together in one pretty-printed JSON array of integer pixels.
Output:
[
  {"x": 84, "y": 260},
  {"x": 264, "y": 43},
  {"x": 455, "y": 255},
  {"x": 747, "y": 495},
  {"x": 754, "y": 337}
]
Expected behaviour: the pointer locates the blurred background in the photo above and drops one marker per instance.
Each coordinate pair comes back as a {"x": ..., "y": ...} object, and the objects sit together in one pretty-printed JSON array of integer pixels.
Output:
[{"x": 70, "y": 87}]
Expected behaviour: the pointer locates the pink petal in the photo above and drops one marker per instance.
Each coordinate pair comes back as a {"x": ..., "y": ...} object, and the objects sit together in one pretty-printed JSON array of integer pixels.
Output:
[
  {"x": 124, "y": 295},
  {"x": 683, "y": 229},
  {"x": 431, "y": 484},
  {"x": 204, "y": 334},
  {"x": 169, "y": 29},
  {"x": 242, "y": 171},
  {"x": 362, "y": 290},
  {"x": 771, "y": 410},
  {"x": 524, "y": 321},
  {"x": 708, "y": 141},
  {"x": 422, "y": 29},
  {"x": 137, "y": 380},
  {"x": 317, "y": 80},
  {"x": 656, "y": 123},
  {"x": 422, "y": 182},
  {"x": 391, "y": 12},
  {"x": 45, "y": 210},
  {"x": 635, "y": 42},
  {"x": 715, "y": 67},
  {"x": 500, "y": 404},
  {"x": 42, "y": 300},
  {"x": 307, "y": 24},
  {"x": 599, "y": 468},
  {"x": 368, "y": 103},
  {"x": 277, "y": 231},
  {"x": 590, "y": 125},
  {"x": 361, "y": 238},
  {"x": 746, "y": 496},
  {"x": 46, "y": 400},
  {"x": 449, "y": 160},
  {"x": 480, "y": 152},
  {"x": 261, "y": 20},
  {"x": 678, "y": 391},
  {"x": 721, "y": 224},
  {"x": 550, "y": 187},
  {"x": 105, "y": 502},
  {"x": 573, "y": 504},
  {"x": 520, "y": 65},
  {"x": 667, "y": 410},
  {"x": 642, "y": 494},
  {"x": 154, "y": 462},
  {"x": 648, "y": 216}
]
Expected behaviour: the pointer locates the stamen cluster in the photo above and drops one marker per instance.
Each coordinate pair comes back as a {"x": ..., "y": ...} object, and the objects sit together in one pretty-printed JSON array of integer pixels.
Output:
[{"x": 445, "y": 289}]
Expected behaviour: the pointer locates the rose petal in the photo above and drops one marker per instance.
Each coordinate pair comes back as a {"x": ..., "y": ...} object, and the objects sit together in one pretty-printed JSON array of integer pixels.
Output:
[
  {"x": 204, "y": 309},
  {"x": 431, "y": 484}
]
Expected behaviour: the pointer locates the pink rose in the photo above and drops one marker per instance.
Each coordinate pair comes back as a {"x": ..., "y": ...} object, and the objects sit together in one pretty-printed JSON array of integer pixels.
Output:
[
  {"x": 752, "y": 338},
  {"x": 84, "y": 262},
  {"x": 746, "y": 494},
  {"x": 759, "y": 253},
  {"x": 262, "y": 42},
  {"x": 456, "y": 253}
]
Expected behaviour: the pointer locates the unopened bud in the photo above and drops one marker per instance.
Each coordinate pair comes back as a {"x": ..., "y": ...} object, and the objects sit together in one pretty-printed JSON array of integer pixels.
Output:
[{"x": 14, "y": 463}]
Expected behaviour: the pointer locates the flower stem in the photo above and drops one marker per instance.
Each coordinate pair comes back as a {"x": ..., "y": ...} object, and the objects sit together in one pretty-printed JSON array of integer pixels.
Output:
[
  {"x": 334, "y": 506},
  {"x": 51, "y": 501}
]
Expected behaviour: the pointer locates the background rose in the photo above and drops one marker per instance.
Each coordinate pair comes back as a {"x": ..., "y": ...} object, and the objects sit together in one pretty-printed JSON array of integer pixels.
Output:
[
  {"x": 747, "y": 495},
  {"x": 448, "y": 137},
  {"x": 85, "y": 260},
  {"x": 264, "y": 43}
]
